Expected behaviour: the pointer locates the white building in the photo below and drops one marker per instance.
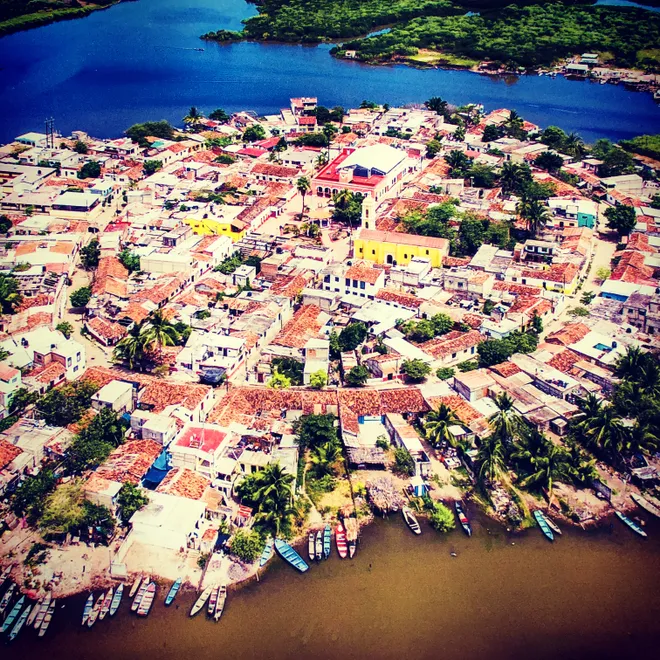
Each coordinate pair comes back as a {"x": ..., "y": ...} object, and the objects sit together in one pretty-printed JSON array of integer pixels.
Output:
[{"x": 117, "y": 396}]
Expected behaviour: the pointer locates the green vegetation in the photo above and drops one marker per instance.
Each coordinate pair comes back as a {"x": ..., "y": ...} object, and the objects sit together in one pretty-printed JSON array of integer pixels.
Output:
[
  {"x": 494, "y": 351},
  {"x": 357, "y": 377},
  {"x": 254, "y": 133},
  {"x": 315, "y": 430},
  {"x": 151, "y": 166},
  {"x": 160, "y": 129},
  {"x": 90, "y": 255},
  {"x": 80, "y": 297},
  {"x": 278, "y": 381},
  {"x": 441, "y": 518},
  {"x": 445, "y": 373},
  {"x": 247, "y": 545},
  {"x": 348, "y": 207},
  {"x": 621, "y": 218},
  {"x": 517, "y": 36},
  {"x": 645, "y": 145},
  {"x": 65, "y": 405},
  {"x": 415, "y": 370},
  {"x": 425, "y": 329},
  {"x": 436, "y": 426},
  {"x": 292, "y": 369},
  {"x": 90, "y": 170},
  {"x": 129, "y": 500},
  {"x": 318, "y": 380},
  {"x": 129, "y": 260},
  {"x": 467, "y": 365},
  {"x": 616, "y": 161},
  {"x": 403, "y": 462},
  {"x": 352, "y": 336},
  {"x": 5, "y": 224},
  {"x": 65, "y": 328},
  {"x": 578, "y": 311},
  {"x": 10, "y": 298}
]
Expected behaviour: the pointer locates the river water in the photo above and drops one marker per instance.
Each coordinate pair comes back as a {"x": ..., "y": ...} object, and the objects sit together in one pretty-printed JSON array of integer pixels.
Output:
[
  {"x": 588, "y": 595},
  {"x": 136, "y": 61}
]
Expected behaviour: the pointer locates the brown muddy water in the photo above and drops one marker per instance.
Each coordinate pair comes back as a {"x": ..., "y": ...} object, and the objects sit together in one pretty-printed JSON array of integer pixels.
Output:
[{"x": 587, "y": 595}]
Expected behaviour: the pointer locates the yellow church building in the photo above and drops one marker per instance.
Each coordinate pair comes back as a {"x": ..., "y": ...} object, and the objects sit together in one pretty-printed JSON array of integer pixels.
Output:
[
  {"x": 395, "y": 248},
  {"x": 222, "y": 223}
]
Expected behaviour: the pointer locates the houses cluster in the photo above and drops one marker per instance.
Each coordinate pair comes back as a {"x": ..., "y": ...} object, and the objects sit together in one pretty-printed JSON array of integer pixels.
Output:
[{"x": 219, "y": 244}]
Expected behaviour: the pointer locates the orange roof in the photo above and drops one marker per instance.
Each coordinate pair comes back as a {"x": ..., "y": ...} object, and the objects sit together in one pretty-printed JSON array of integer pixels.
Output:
[
  {"x": 184, "y": 483},
  {"x": 7, "y": 372},
  {"x": 108, "y": 267},
  {"x": 403, "y": 299},
  {"x": 130, "y": 461},
  {"x": 453, "y": 342},
  {"x": 8, "y": 453},
  {"x": 364, "y": 272},
  {"x": 49, "y": 373},
  {"x": 569, "y": 334},
  {"x": 463, "y": 410},
  {"x": 106, "y": 329},
  {"x": 304, "y": 325}
]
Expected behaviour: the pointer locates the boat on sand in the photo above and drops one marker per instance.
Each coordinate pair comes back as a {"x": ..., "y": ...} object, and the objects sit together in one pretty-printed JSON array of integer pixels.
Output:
[
  {"x": 290, "y": 555},
  {"x": 201, "y": 600},
  {"x": 340, "y": 540},
  {"x": 174, "y": 590},
  {"x": 646, "y": 504},
  {"x": 631, "y": 523},
  {"x": 410, "y": 519},
  {"x": 543, "y": 524}
]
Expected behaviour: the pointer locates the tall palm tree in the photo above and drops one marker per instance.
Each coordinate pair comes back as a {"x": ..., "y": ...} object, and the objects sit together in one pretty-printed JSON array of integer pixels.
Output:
[
  {"x": 512, "y": 176},
  {"x": 303, "y": 186},
  {"x": 546, "y": 468},
  {"x": 643, "y": 437},
  {"x": 132, "y": 348},
  {"x": 436, "y": 426},
  {"x": 530, "y": 444},
  {"x": 9, "y": 295},
  {"x": 490, "y": 458},
  {"x": 324, "y": 457},
  {"x": 193, "y": 118},
  {"x": 581, "y": 466},
  {"x": 606, "y": 431},
  {"x": 158, "y": 331},
  {"x": 534, "y": 213},
  {"x": 274, "y": 486},
  {"x": 574, "y": 146},
  {"x": 630, "y": 364},
  {"x": 506, "y": 423}
]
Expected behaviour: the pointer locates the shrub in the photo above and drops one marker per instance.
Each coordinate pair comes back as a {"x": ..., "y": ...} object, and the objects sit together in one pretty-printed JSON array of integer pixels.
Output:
[
  {"x": 442, "y": 519},
  {"x": 247, "y": 546},
  {"x": 445, "y": 373},
  {"x": 403, "y": 462}
]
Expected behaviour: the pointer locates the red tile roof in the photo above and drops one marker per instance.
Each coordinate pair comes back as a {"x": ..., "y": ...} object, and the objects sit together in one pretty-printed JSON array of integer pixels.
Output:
[
  {"x": 184, "y": 483},
  {"x": 130, "y": 461},
  {"x": 8, "y": 453},
  {"x": 106, "y": 329},
  {"x": 403, "y": 299},
  {"x": 364, "y": 272},
  {"x": 304, "y": 325},
  {"x": 452, "y": 342},
  {"x": 569, "y": 334}
]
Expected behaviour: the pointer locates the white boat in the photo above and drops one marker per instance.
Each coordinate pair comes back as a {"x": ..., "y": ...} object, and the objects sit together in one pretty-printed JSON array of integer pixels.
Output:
[
  {"x": 43, "y": 608},
  {"x": 552, "y": 525},
  {"x": 105, "y": 608},
  {"x": 48, "y": 618},
  {"x": 201, "y": 601},
  {"x": 140, "y": 594},
  {"x": 220, "y": 605},
  {"x": 136, "y": 586},
  {"x": 116, "y": 599},
  {"x": 311, "y": 546},
  {"x": 34, "y": 612},
  {"x": 410, "y": 519},
  {"x": 645, "y": 504},
  {"x": 267, "y": 552}
]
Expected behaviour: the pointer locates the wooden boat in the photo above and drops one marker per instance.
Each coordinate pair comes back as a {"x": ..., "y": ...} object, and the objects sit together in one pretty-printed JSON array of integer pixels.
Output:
[
  {"x": 645, "y": 504},
  {"x": 463, "y": 519},
  {"x": 220, "y": 605},
  {"x": 267, "y": 552},
  {"x": 351, "y": 529},
  {"x": 107, "y": 601},
  {"x": 4, "y": 576},
  {"x": 138, "y": 597},
  {"x": 136, "y": 585},
  {"x": 553, "y": 525},
  {"x": 410, "y": 519},
  {"x": 33, "y": 614},
  {"x": 311, "y": 546},
  {"x": 319, "y": 545},
  {"x": 48, "y": 618},
  {"x": 631, "y": 523},
  {"x": 88, "y": 608},
  {"x": 352, "y": 547},
  {"x": 43, "y": 608},
  {"x": 6, "y": 599},
  {"x": 213, "y": 601},
  {"x": 327, "y": 541},
  {"x": 340, "y": 540},
  {"x": 201, "y": 601},
  {"x": 116, "y": 600},
  {"x": 147, "y": 599},
  {"x": 94, "y": 614},
  {"x": 20, "y": 623},
  {"x": 290, "y": 555},
  {"x": 13, "y": 614},
  {"x": 543, "y": 524},
  {"x": 174, "y": 590}
]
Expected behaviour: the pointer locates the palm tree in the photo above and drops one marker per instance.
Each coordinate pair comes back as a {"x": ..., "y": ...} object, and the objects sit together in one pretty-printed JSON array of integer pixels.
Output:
[
  {"x": 436, "y": 426},
  {"x": 193, "y": 118},
  {"x": 574, "y": 146},
  {"x": 649, "y": 377},
  {"x": 159, "y": 331},
  {"x": 490, "y": 458},
  {"x": 323, "y": 457},
  {"x": 581, "y": 467},
  {"x": 274, "y": 485},
  {"x": 606, "y": 431},
  {"x": 506, "y": 423},
  {"x": 548, "y": 467},
  {"x": 514, "y": 124},
  {"x": 132, "y": 348},
  {"x": 630, "y": 364},
  {"x": 643, "y": 437},
  {"x": 9, "y": 295},
  {"x": 533, "y": 212},
  {"x": 528, "y": 446},
  {"x": 303, "y": 185}
]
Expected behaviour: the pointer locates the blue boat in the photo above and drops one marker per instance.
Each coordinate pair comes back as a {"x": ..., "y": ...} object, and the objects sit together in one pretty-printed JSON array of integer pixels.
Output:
[
  {"x": 631, "y": 523},
  {"x": 174, "y": 590},
  {"x": 11, "y": 617},
  {"x": 267, "y": 552},
  {"x": 327, "y": 541},
  {"x": 290, "y": 555},
  {"x": 543, "y": 524},
  {"x": 116, "y": 600}
]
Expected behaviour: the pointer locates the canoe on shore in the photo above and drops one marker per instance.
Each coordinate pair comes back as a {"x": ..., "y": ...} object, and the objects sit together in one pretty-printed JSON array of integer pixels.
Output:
[
  {"x": 213, "y": 601},
  {"x": 20, "y": 623},
  {"x": 553, "y": 525},
  {"x": 311, "y": 546},
  {"x": 13, "y": 615},
  {"x": 463, "y": 519},
  {"x": 327, "y": 541},
  {"x": 33, "y": 614},
  {"x": 88, "y": 608},
  {"x": 147, "y": 600},
  {"x": 116, "y": 600},
  {"x": 543, "y": 524},
  {"x": 220, "y": 605},
  {"x": 267, "y": 552},
  {"x": 48, "y": 618},
  {"x": 645, "y": 504},
  {"x": 290, "y": 555},
  {"x": 631, "y": 523},
  {"x": 6, "y": 599},
  {"x": 43, "y": 608},
  {"x": 136, "y": 585},
  {"x": 319, "y": 545},
  {"x": 340, "y": 541},
  {"x": 352, "y": 547},
  {"x": 201, "y": 601},
  {"x": 94, "y": 614},
  {"x": 174, "y": 590},
  {"x": 107, "y": 601},
  {"x": 410, "y": 519},
  {"x": 140, "y": 594},
  {"x": 4, "y": 576}
]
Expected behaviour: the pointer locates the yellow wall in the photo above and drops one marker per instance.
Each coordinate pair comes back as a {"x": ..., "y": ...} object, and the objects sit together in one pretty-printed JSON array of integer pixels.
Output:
[
  {"x": 210, "y": 227},
  {"x": 402, "y": 254}
]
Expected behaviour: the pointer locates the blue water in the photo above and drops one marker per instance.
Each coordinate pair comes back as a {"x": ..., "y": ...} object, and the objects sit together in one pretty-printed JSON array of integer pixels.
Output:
[
  {"x": 135, "y": 62},
  {"x": 627, "y": 3}
]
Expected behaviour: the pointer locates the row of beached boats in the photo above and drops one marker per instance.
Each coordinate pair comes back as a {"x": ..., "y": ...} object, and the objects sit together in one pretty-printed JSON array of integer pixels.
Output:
[
  {"x": 24, "y": 614},
  {"x": 214, "y": 598},
  {"x": 413, "y": 523}
]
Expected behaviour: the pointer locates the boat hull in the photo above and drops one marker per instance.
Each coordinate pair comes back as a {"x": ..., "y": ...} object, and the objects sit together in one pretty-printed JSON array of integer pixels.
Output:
[{"x": 290, "y": 556}]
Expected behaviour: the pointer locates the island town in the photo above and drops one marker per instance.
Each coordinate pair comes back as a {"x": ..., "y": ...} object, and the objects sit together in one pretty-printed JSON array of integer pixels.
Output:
[{"x": 254, "y": 334}]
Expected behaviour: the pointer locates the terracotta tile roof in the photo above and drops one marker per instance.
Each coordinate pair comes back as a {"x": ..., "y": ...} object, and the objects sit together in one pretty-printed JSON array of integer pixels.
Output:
[
  {"x": 569, "y": 334},
  {"x": 25, "y": 248},
  {"x": 640, "y": 242},
  {"x": 438, "y": 166},
  {"x": 290, "y": 286},
  {"x": 559, "y": 273},
  {"x": 8, "y": 453},
  {"x": 449, "y": 262},
  {"x": 53, "y": 372},
  {"x": 106, "y": 329},
  {"x": 631, "y": 268},
  {"x": 40, "y": 300},
  {"x": 401, "y": 400},
  {"x": 136, "y": 312},
  {"x": 519, "y": 289},
  {"x": 452, "y": 342},
  {"x": 403, "y": 299},
  {"x": 96, "y": 484},
  {"x": 162, "y": 291},
  {"x": 130, "y": 461},
  {"x": 108, "y": 267},
  {"x": 463, "y": 410},
  {"x": 40, "y": 318},
  {"x": 304, "y": 325},
  {"x": 506, "y": 369},
  {"x": 473, "y": 320},
  {"x": 61, "y": 247},
  {"x": 280, "y": 171},
  {"x": 364, "y": 272},
  {"x": 7, "y": 372},
  {"x": 564, "y": 361},
  {"x": 184, "y": 483}
]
